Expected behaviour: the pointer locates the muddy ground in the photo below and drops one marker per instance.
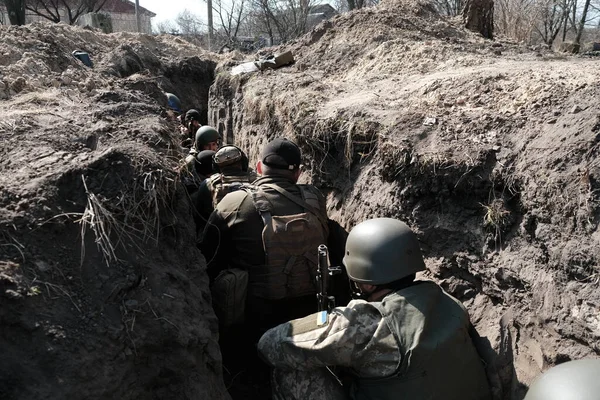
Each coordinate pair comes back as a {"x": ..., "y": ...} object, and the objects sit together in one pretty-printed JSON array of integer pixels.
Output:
[{"x": 487, "y": 149}]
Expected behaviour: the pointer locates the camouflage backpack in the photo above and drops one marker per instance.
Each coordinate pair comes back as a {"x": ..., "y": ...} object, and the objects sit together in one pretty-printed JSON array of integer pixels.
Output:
[
  {"x": 290, "y": 243},
  {"x": 220, "y": 185}
]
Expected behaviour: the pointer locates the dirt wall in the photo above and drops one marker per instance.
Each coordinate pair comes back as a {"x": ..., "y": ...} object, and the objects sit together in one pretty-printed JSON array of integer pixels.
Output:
[
  {"x": 103, "y": 293},
  {"x": 486, "y": 149}
]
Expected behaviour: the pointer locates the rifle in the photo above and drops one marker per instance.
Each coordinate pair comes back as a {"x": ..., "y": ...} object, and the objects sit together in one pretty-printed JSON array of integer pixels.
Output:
[{"x": 325, "y": 302}]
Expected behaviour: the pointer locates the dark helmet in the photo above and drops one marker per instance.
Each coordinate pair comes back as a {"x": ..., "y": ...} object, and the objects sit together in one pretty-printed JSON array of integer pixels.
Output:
[
  {"x": 573, "y": 380},
  {"x": 382, "y": 250},
  {"x": 205, "y": 135},
  {"x": 192, "y": 115},
  {"x": 174, "y": 102},
  {"x": 229, "y": 155},
  {"x": 204, "y": 162}
]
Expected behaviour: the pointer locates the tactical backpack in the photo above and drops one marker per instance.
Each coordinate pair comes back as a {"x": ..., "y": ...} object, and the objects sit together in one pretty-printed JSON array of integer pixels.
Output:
[
  {"x": 290, "y": 243},
  {"x": 221, "y": 184}
]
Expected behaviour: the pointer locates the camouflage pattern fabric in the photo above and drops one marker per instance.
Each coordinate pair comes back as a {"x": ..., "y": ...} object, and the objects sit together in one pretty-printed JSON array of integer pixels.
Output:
[
  {"x": 356, "y": 337},
  {"x": 404, "y": 344},
  {"x": 302, "y": 385}
]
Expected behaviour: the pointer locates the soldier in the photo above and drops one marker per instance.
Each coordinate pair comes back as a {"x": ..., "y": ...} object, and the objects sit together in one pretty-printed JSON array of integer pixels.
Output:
[
  {"x": 206, "y": 138},
  {"x": 403, "y": 338},
  {"x": 244, "y": 232},
  {"x": 197, "y": 170},
  {"x": 174, "y": 103},
  {"x": 191, "y": 123},
  {"x": 573, "y": 380},
  {"x": 232, "y": 164},
  {"x": 271, "y": 230}
]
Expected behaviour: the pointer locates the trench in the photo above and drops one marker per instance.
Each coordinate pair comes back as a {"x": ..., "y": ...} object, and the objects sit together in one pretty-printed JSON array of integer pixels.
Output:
[{"x": 439, "y": 200}]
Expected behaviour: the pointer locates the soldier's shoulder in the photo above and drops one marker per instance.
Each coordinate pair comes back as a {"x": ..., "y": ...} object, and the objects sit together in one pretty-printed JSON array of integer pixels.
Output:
[{"x": 233, "y": 200}]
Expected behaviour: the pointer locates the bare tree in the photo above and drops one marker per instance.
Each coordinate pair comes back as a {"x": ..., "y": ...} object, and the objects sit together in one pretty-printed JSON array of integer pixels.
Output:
[
  {"x": 280, "y": 20},
  {"x": 582, "y": 21},
  {"x": 230, "y": 14},
  {"x": 517, "y": 19},
  {"x": 189, "y": 24},
  {"x": 166, "y": 27},
  {"x": 16, "y": 11},
  {"x": 553, "y": 17},
  {"x": 478, "y": 16},
  {"x": 73, "y": 9}
]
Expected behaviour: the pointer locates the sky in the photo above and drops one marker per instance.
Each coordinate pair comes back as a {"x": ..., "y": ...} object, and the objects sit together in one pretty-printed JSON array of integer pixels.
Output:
[{"x": 167, "y": 10}]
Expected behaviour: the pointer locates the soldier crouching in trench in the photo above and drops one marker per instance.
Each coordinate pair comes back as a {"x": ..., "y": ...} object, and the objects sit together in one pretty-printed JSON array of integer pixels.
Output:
[{"x": 402, "y": 338}]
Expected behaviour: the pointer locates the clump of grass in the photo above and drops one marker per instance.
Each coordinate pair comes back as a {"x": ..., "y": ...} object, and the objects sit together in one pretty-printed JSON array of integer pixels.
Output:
[{"x": 496, "y": 215}]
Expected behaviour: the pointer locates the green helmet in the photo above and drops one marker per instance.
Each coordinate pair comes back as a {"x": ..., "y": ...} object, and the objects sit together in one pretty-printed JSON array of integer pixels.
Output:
[
  {"x": 205, "y": 135},
  {"x": 573, "y": 380},
  {"x": 382, "y": 250}
]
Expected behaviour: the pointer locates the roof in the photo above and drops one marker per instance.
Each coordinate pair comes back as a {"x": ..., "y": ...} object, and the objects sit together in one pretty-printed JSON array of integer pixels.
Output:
[
  {"x": 124, "y": 7},
  {"x": 323, "y": 9}
]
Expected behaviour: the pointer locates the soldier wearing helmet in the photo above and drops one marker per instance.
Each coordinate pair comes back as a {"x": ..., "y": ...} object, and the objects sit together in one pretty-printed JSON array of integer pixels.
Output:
[
  {"x": 191, "y": 124},
  {"x": 573, "y": 380},
  {"x": 233, "y": 166},
  {"x": 403, "y": 338},
  {"x": 205, "y": 138},
  {"x": 196, "y": 170}
]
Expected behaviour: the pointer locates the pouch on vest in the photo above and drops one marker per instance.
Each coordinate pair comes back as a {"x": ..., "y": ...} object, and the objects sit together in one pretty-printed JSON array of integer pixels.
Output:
[
  {"x": 226, "y": 184},
  {"x": 290, "y": 243},
  {"x": 229, "y": 296}
]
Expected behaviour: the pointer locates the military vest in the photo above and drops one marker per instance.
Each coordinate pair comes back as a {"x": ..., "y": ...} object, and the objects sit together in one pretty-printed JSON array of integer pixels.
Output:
[
  {"x": 438, "y": 359},
  {"x": 290, "y": 243},
  {"x": 220, "y": 185}
]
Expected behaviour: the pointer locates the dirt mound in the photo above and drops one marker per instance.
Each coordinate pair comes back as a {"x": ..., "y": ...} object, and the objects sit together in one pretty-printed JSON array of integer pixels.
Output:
[
  {"x": 102, "y": 291},
  {"x": 487, "y": 148}
]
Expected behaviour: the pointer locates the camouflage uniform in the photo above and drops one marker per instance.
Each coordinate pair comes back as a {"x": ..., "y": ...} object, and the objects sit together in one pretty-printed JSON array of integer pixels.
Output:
[{"x": 413, "y": 345}]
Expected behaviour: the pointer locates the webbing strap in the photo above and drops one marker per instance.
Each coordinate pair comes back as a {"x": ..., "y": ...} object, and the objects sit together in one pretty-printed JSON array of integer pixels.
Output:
[
  {"x": 298, "y": 201},
  {"x": 262, "y": 206}
]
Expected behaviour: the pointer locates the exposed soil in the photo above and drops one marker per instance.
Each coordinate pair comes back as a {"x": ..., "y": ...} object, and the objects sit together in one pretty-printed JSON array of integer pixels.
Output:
[
  {"x": 487, "y": 149},
  {"x": 102, "y": 292}
]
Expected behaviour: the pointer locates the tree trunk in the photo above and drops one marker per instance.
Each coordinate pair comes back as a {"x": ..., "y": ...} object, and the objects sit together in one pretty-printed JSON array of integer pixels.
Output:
[
  {"x": 478, "y": 16},
  {"x": 16, "y": 11},
  {"x": 581, "y": 27}
]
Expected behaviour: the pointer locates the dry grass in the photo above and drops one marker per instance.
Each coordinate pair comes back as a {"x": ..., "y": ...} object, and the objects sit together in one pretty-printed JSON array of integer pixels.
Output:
[
  {"x": 101, "y": 222},
  {"x": 133, "y": 216}
]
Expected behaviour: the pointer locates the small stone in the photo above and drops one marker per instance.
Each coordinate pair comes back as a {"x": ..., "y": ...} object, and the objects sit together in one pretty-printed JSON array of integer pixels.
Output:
[
  {"x": 43, "y": 265},
  {"x": 2, "y": 86},
  {"x": 556, "y": 113},
  {"x": 66, "y": 80},
  {"x": 131, "y": 303},
  {"x": 430, "y": 121},
  {"x": 461, "y": 100},
  {"x": 576, "y": 109},
  {"x": 551, "y": 121}
]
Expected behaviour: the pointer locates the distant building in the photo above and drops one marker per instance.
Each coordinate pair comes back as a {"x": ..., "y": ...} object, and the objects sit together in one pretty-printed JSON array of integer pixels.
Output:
[
  {"x": 121, "y": 12},
  {"x": 320, "y": 13},
  {"x": 269, "y": 37}
]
